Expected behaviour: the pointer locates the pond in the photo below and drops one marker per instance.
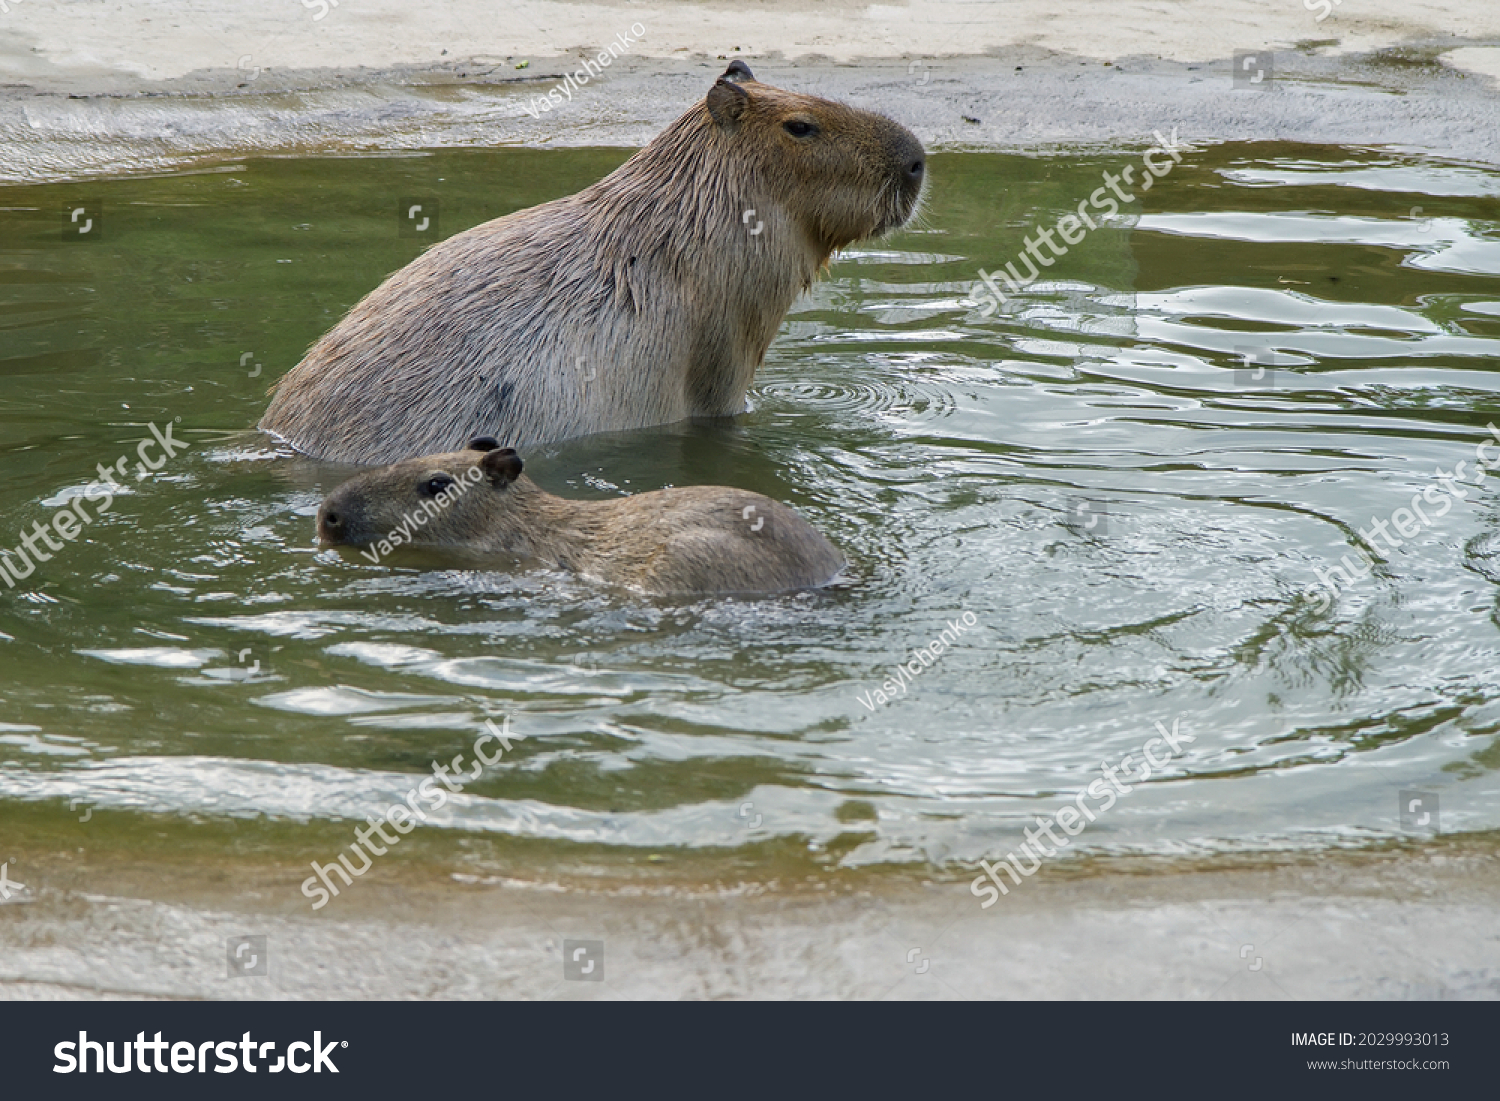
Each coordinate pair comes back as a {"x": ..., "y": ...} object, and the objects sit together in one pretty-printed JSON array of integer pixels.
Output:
[{"x": 1124, "y": 485}]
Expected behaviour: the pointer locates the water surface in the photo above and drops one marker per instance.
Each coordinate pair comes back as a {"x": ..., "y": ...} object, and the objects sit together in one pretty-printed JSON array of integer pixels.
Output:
[{"x": 1127, "y": 479}]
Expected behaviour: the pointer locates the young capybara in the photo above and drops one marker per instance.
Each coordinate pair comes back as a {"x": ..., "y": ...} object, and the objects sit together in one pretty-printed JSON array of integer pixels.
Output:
[
  {"x": 688, "y": 539},
  {"x": 647, "y": 298}
]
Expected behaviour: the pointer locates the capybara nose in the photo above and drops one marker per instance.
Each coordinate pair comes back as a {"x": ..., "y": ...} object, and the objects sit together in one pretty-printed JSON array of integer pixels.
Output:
[
  {"x": 330, "y": 526},
  {"x": 909, "y": 160}
]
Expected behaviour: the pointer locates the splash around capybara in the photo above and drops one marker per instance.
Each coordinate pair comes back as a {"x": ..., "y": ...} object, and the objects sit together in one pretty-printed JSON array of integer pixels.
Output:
[
  {"x": 683, "y": 540},
  {"x": 647, "y": 298}
]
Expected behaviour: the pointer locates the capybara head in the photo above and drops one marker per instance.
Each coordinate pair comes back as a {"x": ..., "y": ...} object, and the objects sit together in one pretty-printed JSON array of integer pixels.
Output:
[
  {"x": 846, "y": 174},
  {"x": 437, "y": 500}
]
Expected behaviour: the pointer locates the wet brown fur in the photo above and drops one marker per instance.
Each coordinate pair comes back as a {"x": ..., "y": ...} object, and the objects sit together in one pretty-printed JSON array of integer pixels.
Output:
[
  {"x": 641, "y": 300},
  {"x": 684, "y": 540}
]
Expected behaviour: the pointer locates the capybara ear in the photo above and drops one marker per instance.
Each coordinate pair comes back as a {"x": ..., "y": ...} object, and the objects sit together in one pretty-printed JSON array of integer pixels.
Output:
[
  {"x": 737, "y": 71},
  {"x": 483, "y": 443},
  {"x": 727, "y": 101},
  {"x": 502, "y": 466}
]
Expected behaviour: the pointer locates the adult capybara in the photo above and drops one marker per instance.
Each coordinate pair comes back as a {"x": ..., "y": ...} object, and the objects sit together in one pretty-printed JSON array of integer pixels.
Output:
[
  {"x": 687, "y": 539},
  {"x": 647, "y": 298}
]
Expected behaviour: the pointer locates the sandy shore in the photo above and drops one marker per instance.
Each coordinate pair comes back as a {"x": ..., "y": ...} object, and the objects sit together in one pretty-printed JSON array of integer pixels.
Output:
[
  {"x": 166, "y": 40},
  {"x": 1403, "y": 924}
]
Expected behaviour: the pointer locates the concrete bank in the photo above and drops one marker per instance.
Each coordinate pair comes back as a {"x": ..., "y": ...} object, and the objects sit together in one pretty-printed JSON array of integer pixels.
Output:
[
  {"x": 1413, "y": 923},
  {"x": 105, "y": 88}
]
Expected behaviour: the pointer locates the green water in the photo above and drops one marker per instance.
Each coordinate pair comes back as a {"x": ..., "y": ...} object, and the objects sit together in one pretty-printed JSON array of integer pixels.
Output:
[{"x": 194, "y": 661}]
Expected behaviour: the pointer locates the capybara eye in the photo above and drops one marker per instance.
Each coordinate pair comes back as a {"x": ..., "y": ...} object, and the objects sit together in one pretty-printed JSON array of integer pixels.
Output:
[
  {"x": 433, "y": 486},
  {"x": 799, "y": 128}
]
